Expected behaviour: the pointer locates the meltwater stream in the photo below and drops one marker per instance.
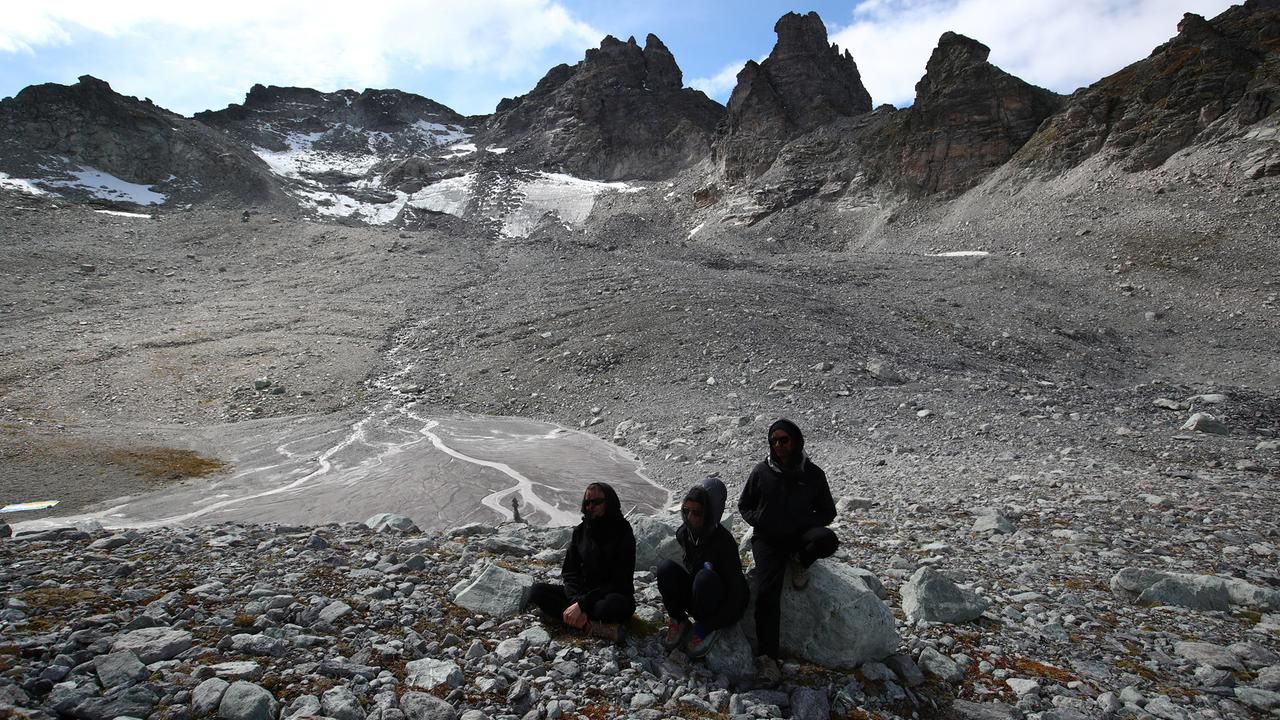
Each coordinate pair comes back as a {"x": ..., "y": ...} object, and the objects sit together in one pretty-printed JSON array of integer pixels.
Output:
[{"x": 439, "y": 471}]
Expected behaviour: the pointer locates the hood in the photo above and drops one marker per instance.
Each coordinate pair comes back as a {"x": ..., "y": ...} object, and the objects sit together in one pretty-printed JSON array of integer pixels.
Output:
[
  {"x": 710, "y": 494},
  {"x": 612, "y": 506}
]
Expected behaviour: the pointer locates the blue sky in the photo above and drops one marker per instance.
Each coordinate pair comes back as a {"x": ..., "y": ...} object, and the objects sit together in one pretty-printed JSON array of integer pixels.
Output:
[{"x": 189, "y": 57}]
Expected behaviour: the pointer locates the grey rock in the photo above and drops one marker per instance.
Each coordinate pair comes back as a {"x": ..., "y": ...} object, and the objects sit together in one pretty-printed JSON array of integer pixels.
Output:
[
  {"x": 388, "y": 522},
  {"x": 119, "y": 668},
  {"x": 991, "y": 520},
  {"x": 929, "y": 595},
  {"x": 153, "y": 644},
  {"x": 835, "y": 622},
  {"x": 511, "y": 649},
  {"x": 1253, "y": 655},
  {"x": 206, "y": 696},
  {"x": 1188, "y": 593},
  {"x": 334, "y": 611},
  {"x": 258, "y": 645},
  {"x": 1268, "y": 678},
  {"x": 966, "y": 710},
  {"x": 810, "y": 704},
  {"x": 939, "y": 665},
  {"x": 302, "y": 706},
  {"x": 136, "y": 701},
  {"x": 346, "y": 669},
  {"x": 655, "y": 540},
  {"x": 1203, "y": 653},
  {"x": 731, "y": 654},
  {"x": 247, "y": 701},
  {"x": 1258, "y": 699},
  {"x": 907, "y": 670},
  {"x": 496, "y": 592},
  {"x": 1206, "y": 423},
  {"x": 237, "y": 670},
  {"x": 429, "y": 673},
  {"x": 1165, "y": 709},
  {"x": 421, "y": 706},
  {"x": 341, "y": 704}
]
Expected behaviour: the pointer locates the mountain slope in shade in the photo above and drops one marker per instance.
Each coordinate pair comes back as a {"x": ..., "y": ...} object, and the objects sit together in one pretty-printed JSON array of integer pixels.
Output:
[
  {"x": 74, "y": 137},
  {"x": 620, "y": 113}
]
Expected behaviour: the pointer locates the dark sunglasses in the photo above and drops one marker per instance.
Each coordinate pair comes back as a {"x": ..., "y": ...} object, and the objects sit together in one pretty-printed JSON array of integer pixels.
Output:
[
  {"x": 592, "y": 502},
  {"x": 780, "y": 440}
]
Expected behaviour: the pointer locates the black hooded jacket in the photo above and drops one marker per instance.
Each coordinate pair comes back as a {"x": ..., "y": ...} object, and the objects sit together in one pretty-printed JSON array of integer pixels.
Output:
[
  {"x": 783, "y": 503},
  {"x": 714, "y": 544},
  {"x": 601, "y": 558}
]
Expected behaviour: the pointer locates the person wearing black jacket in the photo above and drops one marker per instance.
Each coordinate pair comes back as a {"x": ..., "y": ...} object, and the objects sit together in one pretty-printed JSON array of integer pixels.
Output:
[
  {"x": 598, "y": 593},
  {"x": 710, "y": 585},
  {"x": 788, "y": 503}
]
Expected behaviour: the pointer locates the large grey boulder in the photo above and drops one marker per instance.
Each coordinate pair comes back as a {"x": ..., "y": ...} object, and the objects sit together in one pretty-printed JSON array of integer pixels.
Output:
[
  {"x": 388, "y": 522},
  {"x": 495, "y": 592},
  {"x": 119, "y": 668},
  {"x": 247, "y": 701},
  {"x": 421, "y": 706},
  {"x": 153, "y": 644},
  {"x": 1198, "y": 592},
  {"x": 930, "y": 595},
  {"x": 136, "y": 701},
  {"x": 1206, "y": 423},
  {"x": 341, "y": 704},
  {"x": 837, "y": 621},
  {"x": 429, "y": 673},
  {"x": 207, "y": 696},
  {"x": 655, "y": 540},
  {"x": 991, "y": 520}
]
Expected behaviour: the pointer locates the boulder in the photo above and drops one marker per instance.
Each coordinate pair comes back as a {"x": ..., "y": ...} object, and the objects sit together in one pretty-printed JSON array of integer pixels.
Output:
[
  {"x": 655, "y": 540},
  {"x": 153, "y": 644},
  {"x": 207, "y": 696},
  {"x": 939, "y": 665},
  {"x": 495, "y": 592},
  {"x": 991, "y": 520},
  {"x": 731, "y": 654},
  {"x": 429, "y": 673},
  {"x": 836, "y": 622},
  {"x": 119, "y": 668},
  {"x": 1199, "y": 592},
  {"x": 340, "y": 703},
  {"x": 388, "y": 522},
  {"x": 1206, "y": 423},
  {"x": 247, "y": 701},
  {"x": 930, "y": 595},
  {"x": 421, "y": 706}
]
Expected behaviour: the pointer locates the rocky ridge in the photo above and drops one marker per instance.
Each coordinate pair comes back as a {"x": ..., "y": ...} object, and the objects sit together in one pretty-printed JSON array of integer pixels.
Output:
[
  {"x": 55, "y": 131},
  {"x": 622, "y": 112}
]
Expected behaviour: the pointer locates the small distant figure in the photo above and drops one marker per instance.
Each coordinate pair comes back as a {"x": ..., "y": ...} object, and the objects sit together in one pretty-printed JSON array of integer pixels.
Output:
[
  {"x": 710, "y": 586},
  {"x": 515, "y": 509},
  {"x": 788, "y": 502},
  {"x": 598, "y": 594},
  {"x": 244, "y": 216}
]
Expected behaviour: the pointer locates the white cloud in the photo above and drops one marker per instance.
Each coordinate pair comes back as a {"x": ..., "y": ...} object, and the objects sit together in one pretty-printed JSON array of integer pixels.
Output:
[
  {"x": 1059, "y": 44},
  {"x": 231, "y": 44},
  {"x": 721, "y": 84}
]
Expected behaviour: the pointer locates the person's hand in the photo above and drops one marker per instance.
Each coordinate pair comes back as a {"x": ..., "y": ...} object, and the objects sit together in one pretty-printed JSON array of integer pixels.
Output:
[{"x": 574, "y": 617}]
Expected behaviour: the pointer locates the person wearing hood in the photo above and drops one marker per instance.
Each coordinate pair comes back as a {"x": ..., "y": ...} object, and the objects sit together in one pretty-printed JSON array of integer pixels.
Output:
[
  {"x": 710, "y": 585},
  {"x": 598, "y": 590},
  {"x": 788, "y": 503}
]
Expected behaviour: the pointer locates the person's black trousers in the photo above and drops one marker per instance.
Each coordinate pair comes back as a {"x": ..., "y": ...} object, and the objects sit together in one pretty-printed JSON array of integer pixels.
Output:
[
  {"x": 771, "y": 566},
  {"x": 553, "y": 601},
  {"x": 701, "y": 595}
]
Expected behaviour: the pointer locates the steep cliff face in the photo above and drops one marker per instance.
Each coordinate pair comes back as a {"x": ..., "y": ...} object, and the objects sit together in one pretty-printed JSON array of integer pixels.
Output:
[
  {"x": 1215, "y": 77},
  {"x": 48, "y": 131},
  {"x": 969, "y": 117},
  {"x": 805, "y": 82},
  {"x": 621, "y": 113}
]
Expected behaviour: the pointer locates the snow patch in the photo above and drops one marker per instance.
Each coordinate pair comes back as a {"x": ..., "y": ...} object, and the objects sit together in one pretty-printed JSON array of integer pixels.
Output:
[
  {"x": 962, "y": 253},
  {"x": 497, "y": 151},
  {"x": 19, "y": 184},
  {"x": 120, "y": 213},
  {"x": 569, "y": 198},
  {"x": 108, "y": 187},
  {"x": 459, "y": 150},
  {"x": 447, "y": 196}
]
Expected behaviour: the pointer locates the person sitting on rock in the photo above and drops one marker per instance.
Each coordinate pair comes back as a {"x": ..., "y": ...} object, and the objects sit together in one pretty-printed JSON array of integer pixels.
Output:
[
  {"x": 598, "y": 594},
  {"x": 710, "y": 586},
  {"x": 788, "y": 503}
]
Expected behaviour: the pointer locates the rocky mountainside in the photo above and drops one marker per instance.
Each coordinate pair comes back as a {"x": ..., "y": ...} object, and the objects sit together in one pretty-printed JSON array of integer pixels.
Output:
[
  {"x": 364, "y": 145},
  {"x": 621, "y": 113},
  {"x": 68, "y": 135},
  {"x": 1216, "y": 80},
  {"x": 804, "y": 83}
]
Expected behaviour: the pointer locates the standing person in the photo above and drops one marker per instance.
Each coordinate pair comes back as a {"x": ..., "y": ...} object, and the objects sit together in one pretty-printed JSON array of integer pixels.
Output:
[
  {"x": 710, "y": 586},
  {"x": 788, "y": 502},
  {"x": 598, "y": 594}
]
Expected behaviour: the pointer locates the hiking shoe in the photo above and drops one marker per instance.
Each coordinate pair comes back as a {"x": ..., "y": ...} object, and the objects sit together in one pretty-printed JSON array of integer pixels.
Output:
[
  {"x": 700, "y": 644},
  {"x": 767, "y": 670},
  {"x": 676, "y": 634},
  {"x": 613, "y": 632},
  {"x": 799, "y": 574}
]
